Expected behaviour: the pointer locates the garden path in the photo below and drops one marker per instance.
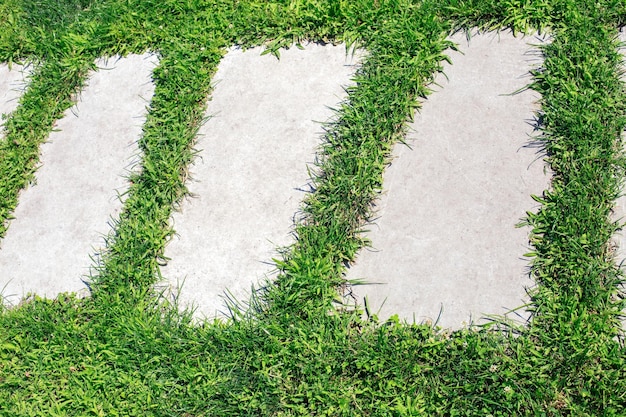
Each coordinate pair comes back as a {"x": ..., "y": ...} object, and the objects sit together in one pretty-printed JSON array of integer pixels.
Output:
[
  {"x": 446, "y": 237},
  {"x": 446, "y": 233},
  {"x": 61, "y": 219}
]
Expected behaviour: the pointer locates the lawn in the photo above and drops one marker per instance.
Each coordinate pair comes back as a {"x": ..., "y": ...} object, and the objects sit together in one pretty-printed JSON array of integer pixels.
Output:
[{"x": 126, "y": 351}]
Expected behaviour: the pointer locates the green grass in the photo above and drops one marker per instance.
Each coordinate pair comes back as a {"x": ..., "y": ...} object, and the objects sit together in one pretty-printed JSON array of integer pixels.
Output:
[{"x": 126, "y": 351}]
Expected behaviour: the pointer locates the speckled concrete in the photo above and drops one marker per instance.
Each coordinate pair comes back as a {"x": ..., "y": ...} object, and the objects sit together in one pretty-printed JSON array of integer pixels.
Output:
[
  {"x": 251, "y": 170},
  {"x": 59, "y": 221},
  {"x": 446, "y": 239}
]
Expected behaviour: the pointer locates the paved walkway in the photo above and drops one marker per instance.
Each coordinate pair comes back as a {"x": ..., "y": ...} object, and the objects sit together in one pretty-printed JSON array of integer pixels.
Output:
[
  {"x": 59, "y": 221},
  {"x": 249, "y": 177},
  {"x": 446, "y": 233},
  {"x": 445, "y": 240}
]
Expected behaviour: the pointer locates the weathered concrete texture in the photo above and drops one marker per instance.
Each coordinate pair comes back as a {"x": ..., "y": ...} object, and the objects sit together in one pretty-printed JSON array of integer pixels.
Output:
[
  {"x": 12, "y": 85},
  {"x": 446, "y": 237},
  {"x": 248, "y": 178},
  {"x": 60, "y": 221}
]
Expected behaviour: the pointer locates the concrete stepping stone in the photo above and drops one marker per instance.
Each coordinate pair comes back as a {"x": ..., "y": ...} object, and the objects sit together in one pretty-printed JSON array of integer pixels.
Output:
[
  {"x": 60, "y": 221},
  {"x": 12, "y": 85},
  {"x": 248, "y": 177},
  {"x": 446, "y": 238}
]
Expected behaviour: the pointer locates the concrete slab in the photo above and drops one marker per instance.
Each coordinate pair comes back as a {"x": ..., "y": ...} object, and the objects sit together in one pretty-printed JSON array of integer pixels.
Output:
[
  {"x": 60, "y": 221},
  {"x": 251, "y": 166},
  {"x": 446, "y": 237},
  {"x": 12, "y": 85}
]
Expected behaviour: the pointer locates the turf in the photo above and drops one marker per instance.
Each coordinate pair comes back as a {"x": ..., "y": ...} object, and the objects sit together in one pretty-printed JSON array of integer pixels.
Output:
[{"x": 294, "y": 350}]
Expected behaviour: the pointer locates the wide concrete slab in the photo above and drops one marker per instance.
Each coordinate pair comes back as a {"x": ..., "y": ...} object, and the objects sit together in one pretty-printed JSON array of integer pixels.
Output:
[
  {"x": 247, "y": 179},
  {"x": 12, "y": 84},
  {"x": 446, "y": 238},
  {"x": 59, "y": 221}
]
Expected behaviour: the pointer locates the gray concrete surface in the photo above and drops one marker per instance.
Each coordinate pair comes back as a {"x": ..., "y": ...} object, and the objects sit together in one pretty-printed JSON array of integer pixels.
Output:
[
  {"x": 12, "y": 84},
  {"x": 446, "y": 237},
  {"x": 60, "y": 220},
  {"x": 252, "y": 164}
]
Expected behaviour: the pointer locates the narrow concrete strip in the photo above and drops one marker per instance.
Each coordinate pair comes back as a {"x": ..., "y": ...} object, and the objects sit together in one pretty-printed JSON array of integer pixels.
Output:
[
  {"x": 60, "y": 221},
  {"x": 12, "y": 85},
  {"x": 620, "y": 204},
  {"x": 446, "y": 238},
  {"x": 619, "y": 213},
  {"x": 247, "y": 179}
]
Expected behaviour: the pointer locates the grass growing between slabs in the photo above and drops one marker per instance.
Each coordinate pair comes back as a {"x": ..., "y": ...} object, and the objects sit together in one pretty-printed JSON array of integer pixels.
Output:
[{"x": 126, "y": 351}]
